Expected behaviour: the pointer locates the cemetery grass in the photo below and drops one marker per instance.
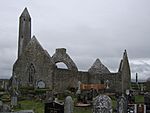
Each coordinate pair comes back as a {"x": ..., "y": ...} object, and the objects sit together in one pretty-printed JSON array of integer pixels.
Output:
[
  {"x": 38, "y": 107},
  {"x": 139, "y": 99}
]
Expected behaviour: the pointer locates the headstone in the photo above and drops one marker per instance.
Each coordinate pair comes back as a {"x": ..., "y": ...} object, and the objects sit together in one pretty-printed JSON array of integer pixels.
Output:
[
  {"x": 142, "y": 87},
  {"x": 102, "y": 104},
  {"x": 68, "y": 105},
  {"x": 53, "y": 107},
  {"x": 147, "y": 101},
  {"x": 40, "y": 84},
  {"x": 49, "y": 96},
  {"x": 6, "y": 108},
  {"x": 122, "y": 105},
  {"x": 141, "y": 108},
  {"x": 79, "y": 89},
  {"x": 14, "y": 100},
  {"x": 137, "y": 108},
  {"x": 1, "y": 106},
  {"x": 132, "y": 108},
  {"x": 107, "y": 84},
  {"x": 130, "y": 98}
]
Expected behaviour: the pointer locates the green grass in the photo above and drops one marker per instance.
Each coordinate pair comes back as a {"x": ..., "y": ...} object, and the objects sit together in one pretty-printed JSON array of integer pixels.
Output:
[
  {"x": 38, "y": 107},
  {"x": 82, "y": 110},
  {"x": 139, "y": 99}
]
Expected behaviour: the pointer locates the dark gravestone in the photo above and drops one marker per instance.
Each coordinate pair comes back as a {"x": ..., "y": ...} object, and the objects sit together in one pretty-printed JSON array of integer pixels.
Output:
[
  {"x": 54, "y": 107},
  {"x": 147, "y": 102},
  {"x": 1, "y": 106}
]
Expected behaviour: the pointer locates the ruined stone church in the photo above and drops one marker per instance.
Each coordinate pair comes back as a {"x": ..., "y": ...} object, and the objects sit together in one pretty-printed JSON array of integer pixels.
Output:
[{"x": 34, "y": 66}]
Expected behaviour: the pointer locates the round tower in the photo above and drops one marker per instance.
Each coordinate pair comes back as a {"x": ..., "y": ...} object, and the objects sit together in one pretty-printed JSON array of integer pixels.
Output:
[{"x": 24, "y": 31}]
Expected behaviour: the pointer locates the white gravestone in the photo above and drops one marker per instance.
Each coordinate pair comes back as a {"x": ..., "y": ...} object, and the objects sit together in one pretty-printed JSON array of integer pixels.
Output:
[
  {"x": 79, "y": 90},
  {"x": 68, "y": 105},
  {"x": 40, "y": 84}
]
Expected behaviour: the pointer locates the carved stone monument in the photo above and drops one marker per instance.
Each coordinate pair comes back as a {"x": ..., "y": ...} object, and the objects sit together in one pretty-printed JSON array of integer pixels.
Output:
[
  {"x": 4, "y": 107},
  {"x": 14, "y": 100},
  {"x": 68, "y": 105},
  {"x": 102, "y": 104},
  {"x": 122, "y": 105},
  {"x": 78, "y": 90}
]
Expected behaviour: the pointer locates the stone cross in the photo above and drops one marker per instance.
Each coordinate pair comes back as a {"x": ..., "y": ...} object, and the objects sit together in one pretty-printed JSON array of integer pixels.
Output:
[
  {"x": 68, "y": 105},
  {"x": 102, "y": 104},
  {"x": 107, "y": 84},
  {"x": 79, "y": 90}
]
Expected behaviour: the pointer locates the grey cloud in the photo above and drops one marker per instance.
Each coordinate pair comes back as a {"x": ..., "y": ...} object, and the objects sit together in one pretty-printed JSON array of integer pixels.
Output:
[
  {"x": 141, "y": 67},
  {"x": 88, "y": 29}
]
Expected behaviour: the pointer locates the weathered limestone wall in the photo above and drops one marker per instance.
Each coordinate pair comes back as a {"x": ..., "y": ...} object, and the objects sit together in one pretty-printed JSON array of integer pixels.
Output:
[
  {"x": 64, "y": 79},
  {"x": 83, "y": 77},
  {"x": 61, "y": 56},
  {"x": 113, "y": 78},
  {"x": 125, "y": 72},
  {"x": 41, "y": 62}
]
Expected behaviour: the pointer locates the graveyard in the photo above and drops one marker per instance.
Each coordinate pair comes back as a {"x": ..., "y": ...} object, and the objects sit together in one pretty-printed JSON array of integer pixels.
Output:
[
  {"x": 39, "y": 85},
  {"x": 39, "y": 101}
]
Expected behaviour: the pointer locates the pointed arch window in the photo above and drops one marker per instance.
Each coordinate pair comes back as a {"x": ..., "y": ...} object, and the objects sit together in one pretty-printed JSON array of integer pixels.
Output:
[{"x": 31, "y": 72}]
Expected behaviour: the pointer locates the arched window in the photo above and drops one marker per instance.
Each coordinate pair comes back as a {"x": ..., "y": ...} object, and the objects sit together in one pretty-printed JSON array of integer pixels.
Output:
[
  {"x": 31, "y": 72},
  {"x": 61, "y": 65}
]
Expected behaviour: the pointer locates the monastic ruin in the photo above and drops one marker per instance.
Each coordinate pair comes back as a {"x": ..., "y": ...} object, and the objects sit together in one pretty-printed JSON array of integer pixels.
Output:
[{"x": 34, "y": 66}]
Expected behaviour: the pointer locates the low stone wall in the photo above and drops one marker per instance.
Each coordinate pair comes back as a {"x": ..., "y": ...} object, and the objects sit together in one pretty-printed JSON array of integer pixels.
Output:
[
  {"x": 83, "y": 77},
  {"x": 65, "y": 79}
]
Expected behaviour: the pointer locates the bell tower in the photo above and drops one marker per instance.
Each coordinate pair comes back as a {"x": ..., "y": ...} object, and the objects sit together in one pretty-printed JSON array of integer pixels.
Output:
[{"x": 24, "y": 31}]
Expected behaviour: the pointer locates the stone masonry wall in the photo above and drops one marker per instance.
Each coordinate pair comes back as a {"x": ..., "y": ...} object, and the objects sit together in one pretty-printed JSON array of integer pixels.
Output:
[{"x": 36, "y": 56}]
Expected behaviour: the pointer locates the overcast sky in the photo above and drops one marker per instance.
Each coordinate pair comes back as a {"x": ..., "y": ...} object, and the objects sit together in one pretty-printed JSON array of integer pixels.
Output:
[{"x": 88, "y": 29}]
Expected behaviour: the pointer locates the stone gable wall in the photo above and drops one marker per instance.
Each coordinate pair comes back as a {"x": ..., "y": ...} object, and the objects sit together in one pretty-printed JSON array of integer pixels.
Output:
[{"x": 43, "y": 67}]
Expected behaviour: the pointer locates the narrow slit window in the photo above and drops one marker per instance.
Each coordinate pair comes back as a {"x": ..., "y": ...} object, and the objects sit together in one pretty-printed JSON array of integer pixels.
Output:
[{"x": 31, "y": 73}]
